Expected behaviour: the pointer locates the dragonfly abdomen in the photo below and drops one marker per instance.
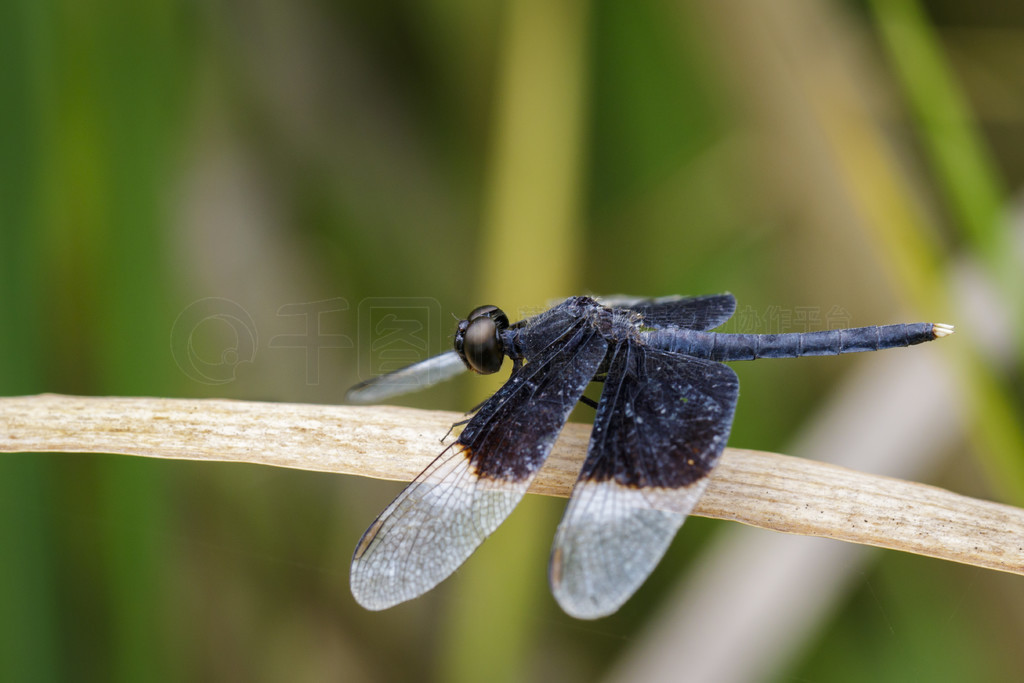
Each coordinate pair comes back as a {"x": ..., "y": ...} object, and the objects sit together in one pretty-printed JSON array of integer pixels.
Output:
[{"x": 727, "y": 347}]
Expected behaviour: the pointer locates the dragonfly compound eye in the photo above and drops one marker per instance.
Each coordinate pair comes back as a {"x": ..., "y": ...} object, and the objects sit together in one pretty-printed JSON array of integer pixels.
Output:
[
  {"x": 492, "y": 312},
  {"x": 478, "y": 339}
]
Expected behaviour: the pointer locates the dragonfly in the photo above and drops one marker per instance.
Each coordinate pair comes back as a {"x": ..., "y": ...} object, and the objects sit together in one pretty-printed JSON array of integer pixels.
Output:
[{"x": 662, "y": 421}]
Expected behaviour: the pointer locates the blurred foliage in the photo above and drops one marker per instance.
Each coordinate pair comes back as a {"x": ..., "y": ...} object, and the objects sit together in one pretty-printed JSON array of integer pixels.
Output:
[{"x": 187, "y": 189}]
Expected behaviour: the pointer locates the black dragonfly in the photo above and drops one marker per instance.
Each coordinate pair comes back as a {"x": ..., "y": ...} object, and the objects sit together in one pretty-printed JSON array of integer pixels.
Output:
[{"x": 662, "y": 421}]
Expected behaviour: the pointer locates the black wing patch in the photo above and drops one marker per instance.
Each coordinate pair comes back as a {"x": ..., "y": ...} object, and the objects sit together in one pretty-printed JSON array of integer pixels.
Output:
[
  {"x": 661, "y": 424},
  {"x": 690, "y": 313},
  {"x": 437, "y": 522}
]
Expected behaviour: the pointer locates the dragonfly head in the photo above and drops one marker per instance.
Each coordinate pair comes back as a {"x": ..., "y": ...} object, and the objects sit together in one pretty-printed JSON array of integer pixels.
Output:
[{"x": 478, "y": 339}]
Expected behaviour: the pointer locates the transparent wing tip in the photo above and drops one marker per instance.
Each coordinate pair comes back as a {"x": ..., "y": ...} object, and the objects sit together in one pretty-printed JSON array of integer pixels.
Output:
[
  {"x": 412, "y": 378},
  {"x": 359, "y": 393}
]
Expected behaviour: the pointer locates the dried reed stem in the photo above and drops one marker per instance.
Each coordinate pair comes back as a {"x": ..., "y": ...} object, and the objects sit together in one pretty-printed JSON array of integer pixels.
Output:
[{"x": 761, "y": 489}]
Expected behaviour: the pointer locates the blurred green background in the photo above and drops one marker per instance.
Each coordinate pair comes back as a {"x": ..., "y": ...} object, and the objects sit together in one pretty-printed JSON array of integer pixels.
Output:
[{"x": 186, "y": 187}]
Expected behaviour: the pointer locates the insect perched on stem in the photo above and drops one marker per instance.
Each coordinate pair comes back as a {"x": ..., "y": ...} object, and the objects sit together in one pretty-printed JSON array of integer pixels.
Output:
[{"x": 662, "y": 422}]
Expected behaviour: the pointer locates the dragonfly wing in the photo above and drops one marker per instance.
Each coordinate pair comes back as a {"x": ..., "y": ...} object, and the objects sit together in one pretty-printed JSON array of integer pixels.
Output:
[
  {"x": 410, "y": 378},
  {"x": 688, "y": 312},
  {"x": 437, "y": 522},
  {"x": 661, "y": 424}
]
